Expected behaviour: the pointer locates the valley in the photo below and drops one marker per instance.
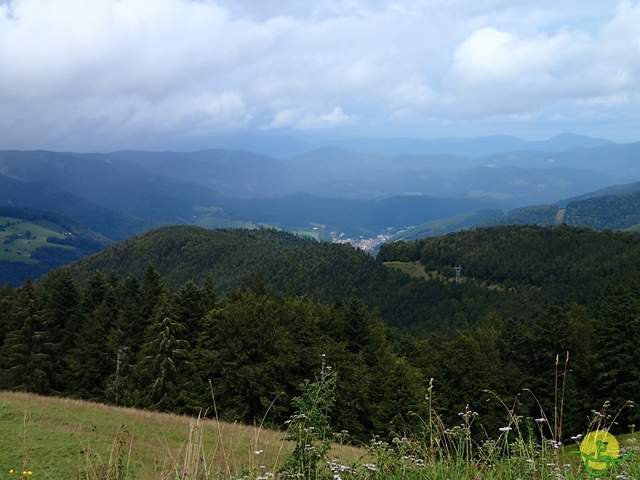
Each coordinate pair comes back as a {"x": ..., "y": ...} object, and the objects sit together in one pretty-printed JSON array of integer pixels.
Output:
[{"x": 364, "y": 198}]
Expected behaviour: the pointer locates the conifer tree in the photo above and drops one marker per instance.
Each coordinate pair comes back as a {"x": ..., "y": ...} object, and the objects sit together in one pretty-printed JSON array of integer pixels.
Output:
[
  {"x": 124, "y": 340},
  {"x": 617, "y": 324},
  {"x": 7, "y": 297},
  {"x": 164, "y": 370},
  {"x": 26, "y": 361},
  {"x": 152, "y": 288},
  {"x": 61, "y": 318},
  {"x": 191, "y": 307},
  {"x": 90, "y": 361}
]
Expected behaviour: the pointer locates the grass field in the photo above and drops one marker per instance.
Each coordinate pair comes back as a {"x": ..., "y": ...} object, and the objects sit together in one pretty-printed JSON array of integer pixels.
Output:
[
  {"x": 58, "y": 438},
  {"x": 414, "y": 269},
  {"x": 53, "y": 438},
  {"x": 30, "y": 236}
]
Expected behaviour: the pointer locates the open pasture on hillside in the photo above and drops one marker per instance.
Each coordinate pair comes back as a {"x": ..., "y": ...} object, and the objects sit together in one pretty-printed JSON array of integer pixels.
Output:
[
  {"x": 61, "y": 439},
  {"x": 18, "y": 239}
]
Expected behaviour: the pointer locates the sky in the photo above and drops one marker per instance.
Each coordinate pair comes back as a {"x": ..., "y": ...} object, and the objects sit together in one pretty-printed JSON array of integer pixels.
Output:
[{"x": 103, "y": 75}]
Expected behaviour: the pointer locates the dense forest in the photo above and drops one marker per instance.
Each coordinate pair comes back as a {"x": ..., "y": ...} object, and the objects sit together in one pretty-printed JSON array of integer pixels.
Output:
[{"x": 172, "y": 319}]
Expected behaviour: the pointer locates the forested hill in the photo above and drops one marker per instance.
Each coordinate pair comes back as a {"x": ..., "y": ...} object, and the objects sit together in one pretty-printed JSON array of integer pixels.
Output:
[
  {"x": 518, "y": 271},
  {"x": 615, "y": 208},
  {"x": 275, "y": 259},
  {"x": 575, "y": 263},
  {"x": 526, "y": 297}
]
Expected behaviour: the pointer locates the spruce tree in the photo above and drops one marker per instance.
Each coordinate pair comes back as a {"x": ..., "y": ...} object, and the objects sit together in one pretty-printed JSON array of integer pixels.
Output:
[
  {"x": 191, "y": 307},
  {"x": 61, "y": 318},
  {"x": 91, "y": 361},
  {"x": 617, "y": 357},
  {"x": 26, "y": 362},
  {"x": 164, "y": 369}
]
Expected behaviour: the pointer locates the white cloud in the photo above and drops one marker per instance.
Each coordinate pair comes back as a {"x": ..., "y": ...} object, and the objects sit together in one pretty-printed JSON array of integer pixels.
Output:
[
  {"x": 96, "y": 73},
  {"x": 299, "y": 119}
]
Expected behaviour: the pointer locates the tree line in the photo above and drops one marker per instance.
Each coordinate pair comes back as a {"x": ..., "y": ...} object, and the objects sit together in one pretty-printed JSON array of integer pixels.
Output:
[{"x": 135, "y": 342}]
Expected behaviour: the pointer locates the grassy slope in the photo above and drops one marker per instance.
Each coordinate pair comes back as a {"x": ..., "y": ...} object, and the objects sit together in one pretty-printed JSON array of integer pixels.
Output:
[
  {"x": 51, "y": 436},
  {"x": 414, "y": 269},
  {"x": 20, "y": 249}
]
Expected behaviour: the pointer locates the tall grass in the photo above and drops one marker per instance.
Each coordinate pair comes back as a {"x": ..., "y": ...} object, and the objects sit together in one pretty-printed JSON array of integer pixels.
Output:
[{"x": 59, "y": 439}]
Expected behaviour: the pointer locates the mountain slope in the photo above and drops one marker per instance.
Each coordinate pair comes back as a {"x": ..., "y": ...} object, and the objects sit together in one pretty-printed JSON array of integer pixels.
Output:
[
  {"x": 323, "y": 271},
  {"x": 34, "y": 241},
  {"x": 112, "y": 183},
  {"x": 599, "y": 211},
  {"x": 45, "y": 196},
  {"x": 276, "y": 259}
]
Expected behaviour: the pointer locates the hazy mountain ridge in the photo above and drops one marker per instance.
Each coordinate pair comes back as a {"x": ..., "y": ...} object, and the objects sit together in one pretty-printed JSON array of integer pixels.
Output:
[
  {"x": 287, "y": 146},
  {"x": 112, "y": 183},
  {"x": 329, "y": 193},
  {"x": 600, "y": 210}
]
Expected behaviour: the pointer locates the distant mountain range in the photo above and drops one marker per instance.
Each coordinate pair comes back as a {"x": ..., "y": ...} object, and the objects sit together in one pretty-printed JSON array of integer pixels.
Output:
[
  {"x": 288, "y": 146},
  {"x": 333, "y": 193}
]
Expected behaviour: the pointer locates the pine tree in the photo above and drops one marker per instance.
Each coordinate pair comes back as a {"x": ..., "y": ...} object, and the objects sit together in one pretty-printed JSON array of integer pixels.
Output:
[
  {"x": 151, "y": 289},
  {"x": 7, "y": 298},
  {"x": 25, "y": 352},
  {"x": 191, "y": 307},
  {"x": 91, "y": 361},
  {"x": 124, "y": 340},
  {"x": 61, "y": 318},
  {"x": 164, "y": 369},
  {"x": 617, "y": 358}
]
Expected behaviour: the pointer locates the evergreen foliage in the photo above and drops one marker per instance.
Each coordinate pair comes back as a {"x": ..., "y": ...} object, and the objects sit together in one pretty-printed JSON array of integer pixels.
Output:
[{"x": 551, "y": 311}]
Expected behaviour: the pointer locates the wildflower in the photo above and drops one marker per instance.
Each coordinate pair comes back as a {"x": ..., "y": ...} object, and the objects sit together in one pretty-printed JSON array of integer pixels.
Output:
[
  {"x": 370, "y": 466},
  {"x": 577, "y": 438}
]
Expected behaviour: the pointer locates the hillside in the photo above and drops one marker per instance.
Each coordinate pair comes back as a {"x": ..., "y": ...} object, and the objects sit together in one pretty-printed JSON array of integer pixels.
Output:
[
  {"x": 32, "y": 242},
  {"x": 323, "y": 271},
  {"x": 615, "y": 208},
  {"x": 376, "y": 195},
  {"x": 447, "y": 225},
  {"x": 109, "y": 182},
  {"x": 268, "y": 308},
  {"x": 300, "y": 266},
  {"x": 42, "y": 195},
  {"x": 279, "y": 260},
  {"x": 63, "y": 438}
]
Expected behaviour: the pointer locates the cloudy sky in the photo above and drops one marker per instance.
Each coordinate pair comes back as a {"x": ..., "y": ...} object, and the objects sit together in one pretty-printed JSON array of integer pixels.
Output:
[{"x": 110, "y": 74}]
